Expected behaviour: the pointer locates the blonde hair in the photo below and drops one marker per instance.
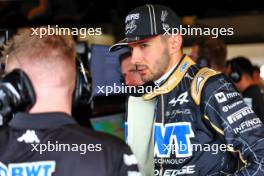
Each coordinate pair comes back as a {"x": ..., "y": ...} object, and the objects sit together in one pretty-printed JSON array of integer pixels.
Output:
[{"x": 51, "y": 56}]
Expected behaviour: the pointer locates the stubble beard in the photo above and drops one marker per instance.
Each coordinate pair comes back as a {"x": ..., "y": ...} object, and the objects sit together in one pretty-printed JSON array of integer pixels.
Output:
[{"x": 159, "y": 67}]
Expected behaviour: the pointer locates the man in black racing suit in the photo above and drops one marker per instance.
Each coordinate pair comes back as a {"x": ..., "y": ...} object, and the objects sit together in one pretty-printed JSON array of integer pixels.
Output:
[{"x": 201, "y": 124}]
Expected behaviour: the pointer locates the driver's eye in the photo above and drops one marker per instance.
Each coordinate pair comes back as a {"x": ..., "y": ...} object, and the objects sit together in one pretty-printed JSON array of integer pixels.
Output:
[{"x": 143, "y": 45}]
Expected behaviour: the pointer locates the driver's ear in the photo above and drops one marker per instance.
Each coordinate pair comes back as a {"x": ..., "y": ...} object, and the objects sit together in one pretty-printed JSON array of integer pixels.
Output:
[{"x": 174, "y": 43}]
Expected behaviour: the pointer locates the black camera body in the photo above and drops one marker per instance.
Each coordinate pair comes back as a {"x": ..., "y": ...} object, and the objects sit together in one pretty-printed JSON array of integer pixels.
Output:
[{"x": 16, "y": 94}]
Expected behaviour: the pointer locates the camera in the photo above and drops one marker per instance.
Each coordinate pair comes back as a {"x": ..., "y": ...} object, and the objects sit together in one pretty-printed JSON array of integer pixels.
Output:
[{"x": 16, "y": 94}]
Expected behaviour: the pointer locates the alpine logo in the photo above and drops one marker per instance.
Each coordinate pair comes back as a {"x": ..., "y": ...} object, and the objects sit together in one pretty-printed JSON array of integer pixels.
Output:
[{"x": 182, "y": 98}]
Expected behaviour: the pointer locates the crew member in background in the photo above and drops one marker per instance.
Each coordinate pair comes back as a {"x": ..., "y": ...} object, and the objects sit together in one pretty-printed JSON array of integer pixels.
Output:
[
  {"x": 256, "y": 75},
  {"x": 257, "y": 78},
  {"x": 210, "y": 52},
  {"x": 240, "y": 70},
  {"x": 70, "y": 150}
]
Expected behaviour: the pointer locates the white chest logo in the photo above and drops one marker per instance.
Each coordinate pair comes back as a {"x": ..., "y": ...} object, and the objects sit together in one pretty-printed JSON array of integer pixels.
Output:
[
  {"x": 29, "y": 137},
  {"x": 182, "y": 98},
  {"x": 220, "y": 97}
]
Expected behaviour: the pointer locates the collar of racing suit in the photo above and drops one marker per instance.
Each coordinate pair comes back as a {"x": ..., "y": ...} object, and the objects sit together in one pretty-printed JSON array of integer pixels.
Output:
[
  {"x": 40, "y": 120},
  {"x": 163, "y": 78},
  {"x": 173, "y": 79}
]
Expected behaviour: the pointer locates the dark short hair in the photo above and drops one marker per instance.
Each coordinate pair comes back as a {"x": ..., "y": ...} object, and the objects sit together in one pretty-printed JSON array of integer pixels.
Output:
[
  {"x": 213, "y": 50},
  {"x": 256, "y": 68},
  {"x": 241, "y": 63},
  {"x": 123, "y": 56}
]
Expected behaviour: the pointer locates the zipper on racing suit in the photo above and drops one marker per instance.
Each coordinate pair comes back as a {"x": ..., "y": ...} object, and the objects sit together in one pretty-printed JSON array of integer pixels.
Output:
[{"x": 163, "y": 123}]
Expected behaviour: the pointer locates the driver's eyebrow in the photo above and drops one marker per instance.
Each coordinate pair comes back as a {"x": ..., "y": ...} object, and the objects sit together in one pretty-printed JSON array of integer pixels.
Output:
[
  {"x": 139, "y": 42},
  {"x": 130, "y": 46},
  {"x": 147, "y": 40}
]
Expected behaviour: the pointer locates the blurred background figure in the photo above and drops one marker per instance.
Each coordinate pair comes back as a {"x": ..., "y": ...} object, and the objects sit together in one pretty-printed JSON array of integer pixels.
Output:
[
  {"x": 210, "y": 52},
  {"x": 130, "y": 74},
  {"x": 256, "y": 75},
  {"x": 257, "y": 78},
  {"x": 195, "y": 49},
  {"x": 240, "y": 71}
]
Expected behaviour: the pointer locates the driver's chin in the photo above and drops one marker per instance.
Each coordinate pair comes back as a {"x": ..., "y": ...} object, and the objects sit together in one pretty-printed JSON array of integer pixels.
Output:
[
  {"x": 146, "y": 78},
  {"x": 149, "y": 76}
]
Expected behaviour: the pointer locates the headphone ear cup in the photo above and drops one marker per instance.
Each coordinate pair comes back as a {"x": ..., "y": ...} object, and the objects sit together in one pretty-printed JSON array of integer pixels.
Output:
[
  {"x": 235, "y": 74},
  {"x": 77, "y": 93},
  {"x": 235, "y": 77}
]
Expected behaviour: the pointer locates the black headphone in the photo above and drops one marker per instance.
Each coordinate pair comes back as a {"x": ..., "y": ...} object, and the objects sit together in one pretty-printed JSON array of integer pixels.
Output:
[
  {"x": 235, "y": 72},
  {"x": 83, "y": 85}
]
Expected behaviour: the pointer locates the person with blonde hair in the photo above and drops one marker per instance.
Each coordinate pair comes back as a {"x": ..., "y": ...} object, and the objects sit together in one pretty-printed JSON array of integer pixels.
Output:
[{"x": 46, "y": 140}]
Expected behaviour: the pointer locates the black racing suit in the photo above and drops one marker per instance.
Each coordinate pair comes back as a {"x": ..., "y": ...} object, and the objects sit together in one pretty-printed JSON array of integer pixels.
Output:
[
  {"x": 203, "y": 126},
  {"x": 48, "y": 144}
]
